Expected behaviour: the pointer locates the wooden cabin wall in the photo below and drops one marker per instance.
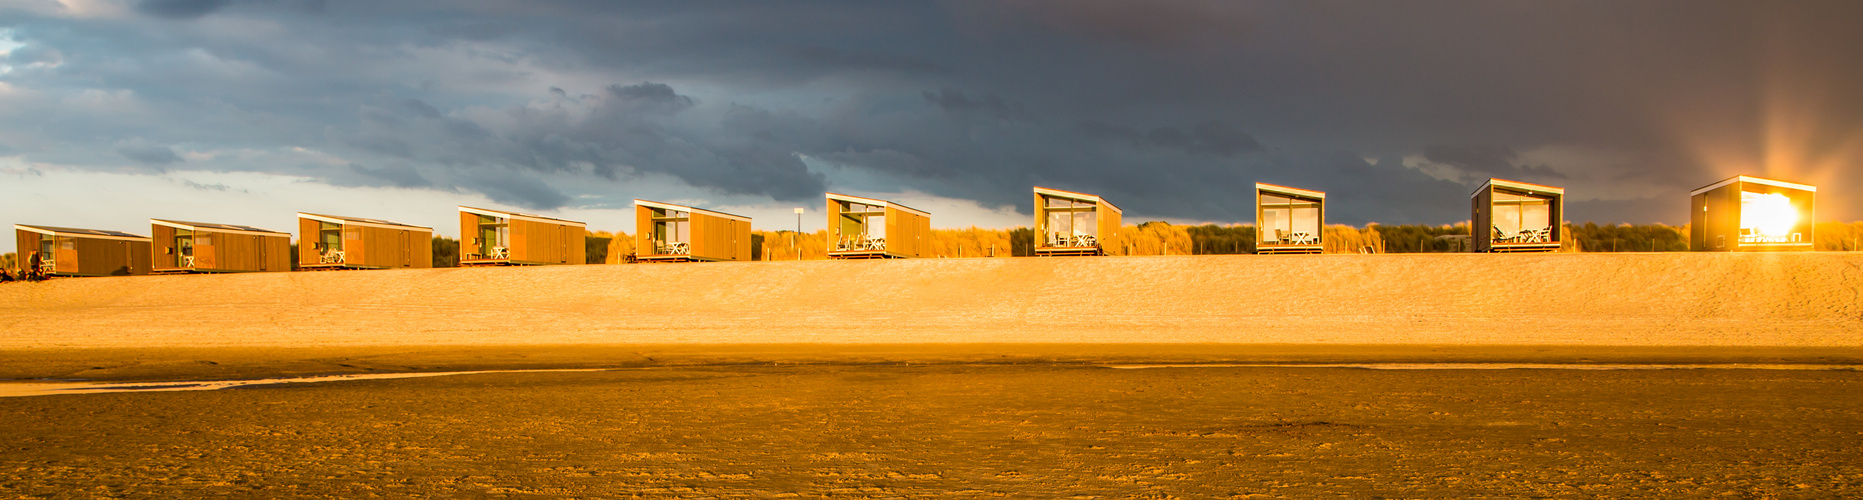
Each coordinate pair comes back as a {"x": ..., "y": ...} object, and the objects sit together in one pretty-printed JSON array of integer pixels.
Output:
[
  {"x": 907, "y": 234},
  {"x": 239, "y": 252},
  {"x": 1481, "y": 227},
  {"x": 1110, "y": 222},
  {"x": 539, "y": 242},
  {"x": 103, "y": 257},
  {"x": 370, "y": 246},
  {"x": 468, "y": 235},
  {"x": 26, "y": 242},
  {"x": 643, "y": 230},
  {"x": 162, "y": 247},
  {"x": 719, "y": 238},
  {"x": 308, "y": 229}
]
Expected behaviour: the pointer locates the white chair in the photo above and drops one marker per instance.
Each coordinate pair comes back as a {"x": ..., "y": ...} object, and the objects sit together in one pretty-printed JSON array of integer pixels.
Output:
[{"x": 501, "y": 253}]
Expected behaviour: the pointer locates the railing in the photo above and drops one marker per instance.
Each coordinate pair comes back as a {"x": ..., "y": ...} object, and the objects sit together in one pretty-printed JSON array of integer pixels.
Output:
[
  {"x": 48, "y": 266},
  {"x": 861, "y": 244},
  {"x": 1541, "y": 235},
  {"x": 674, "y": 248},
  {"x": 1076, "y": 240}
]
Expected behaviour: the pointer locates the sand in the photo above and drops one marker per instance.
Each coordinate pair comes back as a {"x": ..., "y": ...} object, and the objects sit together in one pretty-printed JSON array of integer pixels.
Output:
[
  {"x": 964, "y": 431},
  {"x": 1667, "y": 299}
]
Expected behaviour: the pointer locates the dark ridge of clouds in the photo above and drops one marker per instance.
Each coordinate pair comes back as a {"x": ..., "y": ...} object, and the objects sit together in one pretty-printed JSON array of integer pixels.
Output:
[
  {"x": 149, "y": 154},
  {"x": 1211, "y": 137},
  {"x": 180, "y": 9},
  {"x": 627, "y": 130},
  {"x": 1489, "y": 161}
]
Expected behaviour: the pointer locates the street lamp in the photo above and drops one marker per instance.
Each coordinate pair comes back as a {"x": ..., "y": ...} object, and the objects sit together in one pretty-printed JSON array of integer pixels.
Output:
[{"x": 795, "y": 240}]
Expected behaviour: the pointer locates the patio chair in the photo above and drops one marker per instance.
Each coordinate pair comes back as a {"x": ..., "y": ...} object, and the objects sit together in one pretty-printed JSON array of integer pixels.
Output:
[{"x": 501, "y": 253}]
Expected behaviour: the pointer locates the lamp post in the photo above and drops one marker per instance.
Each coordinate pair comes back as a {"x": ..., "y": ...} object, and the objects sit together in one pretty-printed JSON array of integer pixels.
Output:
[{"x": 796, "y": 240}]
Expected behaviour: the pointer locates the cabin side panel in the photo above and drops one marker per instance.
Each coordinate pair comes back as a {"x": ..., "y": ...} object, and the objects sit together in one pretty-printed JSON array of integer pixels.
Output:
[
  {"x": 100, "y": 257},
  {"x": 162, "y": 242},
  {"x": 1110, "y": 222},
  {"x": 26, "y": 242},
  {"x": 307, "y": 241},
  {"x": 1481, "y": 221},
  {"x": 469, "y": 235},
  {"x": 643, "y": 230},
  {"x": 423, "y": 248}
]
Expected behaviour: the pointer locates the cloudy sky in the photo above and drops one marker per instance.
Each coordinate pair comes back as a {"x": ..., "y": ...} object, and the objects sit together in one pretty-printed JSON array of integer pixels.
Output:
[{"x": 245, "y": 111}]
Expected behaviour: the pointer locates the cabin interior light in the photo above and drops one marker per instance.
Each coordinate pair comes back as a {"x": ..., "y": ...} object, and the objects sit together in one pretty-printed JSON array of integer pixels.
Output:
[{"x": 1768, "y": 214}]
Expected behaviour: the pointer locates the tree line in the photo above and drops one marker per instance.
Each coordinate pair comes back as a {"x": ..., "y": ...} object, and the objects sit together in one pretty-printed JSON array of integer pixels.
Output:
[{"x": 1163, "y": 238}]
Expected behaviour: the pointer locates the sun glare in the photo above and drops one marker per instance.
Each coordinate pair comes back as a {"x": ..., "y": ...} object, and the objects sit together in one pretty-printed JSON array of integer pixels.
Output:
[{"x": 1768, "y": 214}]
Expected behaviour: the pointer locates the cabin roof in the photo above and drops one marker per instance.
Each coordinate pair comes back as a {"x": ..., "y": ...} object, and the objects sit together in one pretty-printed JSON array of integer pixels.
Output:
[
  {"x": 208, "y": 226},
  {"x": 515, "y": 215},
  {"x": 683, "y": 208},
  {"x": 379, "y": 222},
  {"x": 1259, "y": 186},
  {"x": 1523, "y": 186},
  {"x": 72, "y": 231},
  {"x": 1078, "y": 196},
  {"x": 1755, "y": 180},
  {"x": 873, "y": 201}
]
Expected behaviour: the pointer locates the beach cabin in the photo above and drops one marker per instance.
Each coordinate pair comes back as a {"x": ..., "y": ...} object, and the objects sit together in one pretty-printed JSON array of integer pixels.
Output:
[
  {"x": 1289, "y": 220},
  {"x": 199, "y": 247},
  {"x": 495, "y": 238},
  {"x": 1512, "y": 216},
  {"x": 1070, "y": 223},
  {"x": 664, "y": 232},
  {"x": 65, "y": 251},
  {"x": 866, "y": 228},
  {"x": 1751, "y": 214},
  {"x": 337, "y": 242}
]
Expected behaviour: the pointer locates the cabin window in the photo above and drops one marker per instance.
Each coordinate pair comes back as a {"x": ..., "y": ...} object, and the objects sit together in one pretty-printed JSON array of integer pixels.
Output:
[
  {"x": 68, "y": 243},
  {"x": 1770, "y": 217},
  {"x": 1289, "y": 219},
  {"x": 1071, "y": 222},
  {"x": 672, "y": 230},
  {"x": 1522, "y": 216},
  {"x": 862, "y": 227},
  {"x": 494, "y": 234},
  {"x": 329, "y": 237},
  {"x": 184, "y": 247}
]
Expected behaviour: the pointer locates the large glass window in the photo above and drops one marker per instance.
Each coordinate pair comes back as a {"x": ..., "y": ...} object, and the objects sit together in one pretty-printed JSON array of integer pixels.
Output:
[
  {"x": 672, "y": 231},
  {"x": 1289, "y": 220},
  {"x": 494, "y": 237},
  {"x": 1522, "y": 217},
  {"x": 1768, "y": 218},
  {"x": 1071, "y": 222},
  {"x": 329, "y": 237},
  {"x": 184, "y": 247}
]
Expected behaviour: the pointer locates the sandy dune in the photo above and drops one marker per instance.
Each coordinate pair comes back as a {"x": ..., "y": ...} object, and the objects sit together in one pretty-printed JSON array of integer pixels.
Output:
[{"x": 1808, "y": 299}]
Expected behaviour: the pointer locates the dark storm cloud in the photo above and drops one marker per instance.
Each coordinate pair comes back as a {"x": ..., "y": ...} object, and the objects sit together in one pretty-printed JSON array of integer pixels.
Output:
[
  {"x": 1170, "y": 108},
  {"x": 1490, "y": 161},
  {"x": 180, "y": 8}
]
